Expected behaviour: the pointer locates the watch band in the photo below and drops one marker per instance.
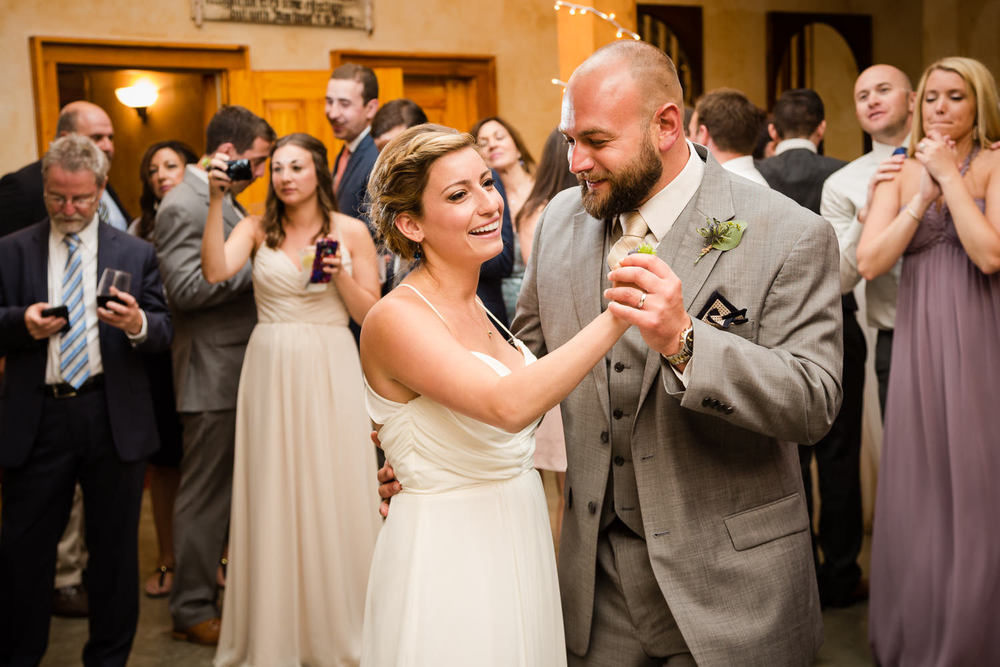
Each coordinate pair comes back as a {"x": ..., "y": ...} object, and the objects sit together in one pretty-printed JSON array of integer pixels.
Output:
[{"x": 687, "y": 348}]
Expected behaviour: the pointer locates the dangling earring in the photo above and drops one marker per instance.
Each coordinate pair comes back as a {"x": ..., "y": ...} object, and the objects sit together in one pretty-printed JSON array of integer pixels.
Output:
[{"x": 418, "y": 253}]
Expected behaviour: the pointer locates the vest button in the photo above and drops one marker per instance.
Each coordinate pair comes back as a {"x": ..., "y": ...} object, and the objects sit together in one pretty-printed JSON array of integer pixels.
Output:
[
  {"x": 619, "y": 460},
  {"x": 604, "y": 437},
  {"x": 617, "y": 414},
  {"x": 619, "y": 367},
  {"x": 707, "y": 401},
  {"x": 592, "y": 507}
]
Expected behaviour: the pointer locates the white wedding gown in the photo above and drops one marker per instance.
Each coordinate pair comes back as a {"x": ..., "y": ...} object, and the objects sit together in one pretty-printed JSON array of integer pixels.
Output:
[{"x": 464, "y": 570}]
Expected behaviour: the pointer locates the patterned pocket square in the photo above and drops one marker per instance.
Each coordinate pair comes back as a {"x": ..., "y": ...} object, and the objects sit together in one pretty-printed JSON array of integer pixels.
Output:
[{"x": 720, "y": 313}]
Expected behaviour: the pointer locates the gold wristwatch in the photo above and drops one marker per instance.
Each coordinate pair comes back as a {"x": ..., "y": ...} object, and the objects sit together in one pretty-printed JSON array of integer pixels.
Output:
[{"x": 687, "y": 348}]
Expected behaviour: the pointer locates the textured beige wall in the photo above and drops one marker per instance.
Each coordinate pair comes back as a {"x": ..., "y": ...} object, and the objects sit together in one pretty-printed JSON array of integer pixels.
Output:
[{"x": 522, "y": 36}]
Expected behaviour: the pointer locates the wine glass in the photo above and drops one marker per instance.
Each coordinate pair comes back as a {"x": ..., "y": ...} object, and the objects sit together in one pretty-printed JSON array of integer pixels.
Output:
[{"x": 120, "y": 280}]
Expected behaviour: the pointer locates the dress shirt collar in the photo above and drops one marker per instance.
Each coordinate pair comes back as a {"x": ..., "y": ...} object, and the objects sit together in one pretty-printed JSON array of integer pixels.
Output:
[
  {"x": 882, "y": 151},
  {"x": 353, "y": 145},
  {"x": 791, "y": 144},
  {"x": 88, "y": 235},
  {"x": 662, "y": 209}
]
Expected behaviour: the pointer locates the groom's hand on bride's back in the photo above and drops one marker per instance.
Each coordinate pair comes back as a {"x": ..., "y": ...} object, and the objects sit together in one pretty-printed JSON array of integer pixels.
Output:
[{"x": 387, "y": 484}]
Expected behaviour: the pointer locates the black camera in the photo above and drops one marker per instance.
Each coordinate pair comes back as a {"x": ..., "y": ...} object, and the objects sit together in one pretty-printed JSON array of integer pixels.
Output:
[{"x": 239, "y": 170}]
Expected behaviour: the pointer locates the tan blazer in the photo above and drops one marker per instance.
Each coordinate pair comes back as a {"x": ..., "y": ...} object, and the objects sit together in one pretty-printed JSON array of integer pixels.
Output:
[{"x": 720, "y": 491}]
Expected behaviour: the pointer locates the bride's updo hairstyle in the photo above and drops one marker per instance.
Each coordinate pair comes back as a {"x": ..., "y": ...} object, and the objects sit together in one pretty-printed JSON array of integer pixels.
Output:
[{"x": 400, "y": 175}]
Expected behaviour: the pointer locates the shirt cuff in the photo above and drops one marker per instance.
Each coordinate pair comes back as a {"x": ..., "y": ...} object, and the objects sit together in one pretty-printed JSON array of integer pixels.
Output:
[
  {"x": 685, "y": 377},
  {"x": 139, "y": 338}
]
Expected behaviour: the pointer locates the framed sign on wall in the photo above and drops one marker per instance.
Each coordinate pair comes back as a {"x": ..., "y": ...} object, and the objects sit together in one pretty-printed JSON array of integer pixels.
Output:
[{"x": 355, "y": 14}]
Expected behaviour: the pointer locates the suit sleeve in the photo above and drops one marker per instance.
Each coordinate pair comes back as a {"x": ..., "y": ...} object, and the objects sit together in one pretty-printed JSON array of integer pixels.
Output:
[
  {"x": 178, "y": 246},
  {"x": 159, "y": 331},
  {"x": 501, "y": 265},
  {"x": 788, "y": 384},
  {"x": 839, "y": 211},
  {"x": 526, "y": 325}
]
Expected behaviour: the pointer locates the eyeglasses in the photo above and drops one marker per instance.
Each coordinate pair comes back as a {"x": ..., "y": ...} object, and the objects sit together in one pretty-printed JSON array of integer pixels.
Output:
[{"x": 79, "y": 201}]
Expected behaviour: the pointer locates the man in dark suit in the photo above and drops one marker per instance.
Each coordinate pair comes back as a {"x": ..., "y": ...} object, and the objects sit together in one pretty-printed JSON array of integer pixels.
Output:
[
  {"x": 21, "y": 205},
  {"x": 21, "y": 191},
  {"x": 796, "y": 170},
  {"x": 351, "y": 103},
  {"x": 75, "y": 406}
]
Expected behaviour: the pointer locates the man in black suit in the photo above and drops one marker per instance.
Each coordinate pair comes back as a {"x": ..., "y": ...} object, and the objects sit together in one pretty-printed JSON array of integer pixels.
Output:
[
  {"x": 75, "y": 406},
  {"x": 798, "y": 171},
  {"x": 21, "y": 191},
  {"x": 351, "y": 103}
]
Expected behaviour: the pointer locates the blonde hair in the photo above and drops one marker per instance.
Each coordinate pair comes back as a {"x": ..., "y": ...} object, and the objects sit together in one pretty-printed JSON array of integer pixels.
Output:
[
  {"x": 397, "y": 183},
  {"x": 982, "y": 86}
]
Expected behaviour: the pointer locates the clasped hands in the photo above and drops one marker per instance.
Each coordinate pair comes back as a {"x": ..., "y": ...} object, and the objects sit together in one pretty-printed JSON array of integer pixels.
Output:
[
  {"x": 126, "y": 317},
  {"x": 647, "y": 293}
]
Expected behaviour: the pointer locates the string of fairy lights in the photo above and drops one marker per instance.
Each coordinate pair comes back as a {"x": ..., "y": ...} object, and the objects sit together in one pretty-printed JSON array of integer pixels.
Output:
[{"x": 582, "y": 10}]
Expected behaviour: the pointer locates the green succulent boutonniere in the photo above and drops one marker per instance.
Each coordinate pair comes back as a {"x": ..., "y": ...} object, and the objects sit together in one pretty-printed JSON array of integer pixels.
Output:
[
  {"x": 720, "y": 235},
  {"x": 645, "y": 249}
]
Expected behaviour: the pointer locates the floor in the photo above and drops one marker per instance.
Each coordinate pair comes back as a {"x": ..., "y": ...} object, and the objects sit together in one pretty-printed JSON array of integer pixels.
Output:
[{"x": 845, "y": 642}]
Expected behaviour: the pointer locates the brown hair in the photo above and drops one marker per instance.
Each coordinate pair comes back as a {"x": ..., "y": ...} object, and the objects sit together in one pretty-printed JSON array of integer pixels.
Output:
[
  {"x": 732, "y": 120},
  {"x": 522, "y": 148},
  {"x": 552, "y": 176},
  {"x": 400, "y": 175},
  {"x": 148, "y": 200},
  {"x": 981, "y": 84},
  {"x": 238, "y": 126},
  {"x": 363, "y": 75},
  {"x": 274, "y": 211}
]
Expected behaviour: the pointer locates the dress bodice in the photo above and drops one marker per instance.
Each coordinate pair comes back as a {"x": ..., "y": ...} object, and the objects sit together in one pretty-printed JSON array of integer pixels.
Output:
[
  {"x": 280, "y": 290},
  {"x": 433, "y": 448},
  {"x": 937, "y": 225}
]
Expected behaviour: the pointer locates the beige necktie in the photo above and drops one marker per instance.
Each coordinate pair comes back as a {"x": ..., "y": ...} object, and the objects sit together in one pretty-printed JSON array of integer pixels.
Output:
[
  {"x": 633, "y": 236},
  {"x": 345, "y": 155}
]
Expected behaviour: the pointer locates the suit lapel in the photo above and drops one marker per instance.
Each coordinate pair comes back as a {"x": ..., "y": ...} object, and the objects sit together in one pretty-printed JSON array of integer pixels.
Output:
[
  {"x": 107, "y": 258},
  {"x": 586, "y": 271},
  {"x": 683, "y": 244},
  {"x": 38, "y": 272}
]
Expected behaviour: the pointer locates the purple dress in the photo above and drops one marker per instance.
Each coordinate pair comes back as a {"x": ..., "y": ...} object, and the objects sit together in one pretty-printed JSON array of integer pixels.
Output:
[{"x": 935, "y": 579}]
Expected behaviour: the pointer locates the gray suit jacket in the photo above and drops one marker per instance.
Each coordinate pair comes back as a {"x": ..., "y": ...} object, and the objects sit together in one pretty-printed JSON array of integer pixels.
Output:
[
  {"x": 720, "y": 493},
  {"x": 212, "y": 323}
]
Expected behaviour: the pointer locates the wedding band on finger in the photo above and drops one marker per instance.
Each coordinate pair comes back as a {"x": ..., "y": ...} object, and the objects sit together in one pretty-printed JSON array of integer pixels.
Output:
[{"x": 642, "y": 301}]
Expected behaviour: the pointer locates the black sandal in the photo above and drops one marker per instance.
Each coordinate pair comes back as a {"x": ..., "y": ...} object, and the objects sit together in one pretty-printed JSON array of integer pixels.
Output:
[{"x": 163, "y": 571}]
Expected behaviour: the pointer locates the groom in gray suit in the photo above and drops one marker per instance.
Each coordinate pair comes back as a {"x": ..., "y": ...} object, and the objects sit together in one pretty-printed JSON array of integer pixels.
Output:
[
  {"x": 212, "y": 324},
  {"x": 685, "y": 537}
]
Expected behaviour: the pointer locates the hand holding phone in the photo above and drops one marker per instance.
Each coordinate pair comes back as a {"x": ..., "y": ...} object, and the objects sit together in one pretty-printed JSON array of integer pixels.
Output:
[{"x": 324, "y": 248}]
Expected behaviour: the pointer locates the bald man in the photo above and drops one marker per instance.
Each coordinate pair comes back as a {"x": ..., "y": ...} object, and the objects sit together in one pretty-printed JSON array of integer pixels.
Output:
[
  {"x": 685, "y": 538},
  {"x": 883, "y": 102},
  {"x": 21, "y": 191}
]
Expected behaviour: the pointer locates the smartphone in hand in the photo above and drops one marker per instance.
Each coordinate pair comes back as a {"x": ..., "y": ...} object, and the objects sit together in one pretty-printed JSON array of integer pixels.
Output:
[
  {"x": 58, "y": 311},
  {"x": 324, "y": 248}
]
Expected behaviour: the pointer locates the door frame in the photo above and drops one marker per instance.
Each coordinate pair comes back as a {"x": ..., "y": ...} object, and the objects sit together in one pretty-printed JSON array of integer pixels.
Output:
[
  {"x": 47, "y": 53},
  {"x": 481, "y": 68}
]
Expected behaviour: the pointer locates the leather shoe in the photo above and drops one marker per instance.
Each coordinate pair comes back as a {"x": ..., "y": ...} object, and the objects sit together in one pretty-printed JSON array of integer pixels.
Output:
[
  {"x": 205, "y": 633},
  {"x": 858, "y": 594},
  {"x": 70, "y": 601}
]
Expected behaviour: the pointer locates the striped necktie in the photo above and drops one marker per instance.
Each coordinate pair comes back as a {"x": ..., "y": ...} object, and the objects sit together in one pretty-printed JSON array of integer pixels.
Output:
[
  {"x": 74, "y": 364},
  {"x": 634, "y": 230}
]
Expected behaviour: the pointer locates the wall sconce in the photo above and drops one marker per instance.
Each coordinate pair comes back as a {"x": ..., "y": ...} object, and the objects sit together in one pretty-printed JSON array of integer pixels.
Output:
[{"x": 139, "y": 96}]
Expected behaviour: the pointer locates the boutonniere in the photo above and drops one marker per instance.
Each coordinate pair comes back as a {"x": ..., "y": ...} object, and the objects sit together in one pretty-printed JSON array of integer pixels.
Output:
[
  {"x": 644, "y": 248},
  {"x": 720, "y": 235}
]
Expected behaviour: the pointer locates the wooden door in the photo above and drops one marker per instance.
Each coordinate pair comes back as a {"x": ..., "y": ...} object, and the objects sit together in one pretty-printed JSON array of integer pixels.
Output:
[{"x": 293, "y": 101}]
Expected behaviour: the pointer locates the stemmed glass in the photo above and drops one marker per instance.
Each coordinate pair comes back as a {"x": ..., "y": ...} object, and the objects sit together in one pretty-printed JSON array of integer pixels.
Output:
[{"x": 120, "y": 280}]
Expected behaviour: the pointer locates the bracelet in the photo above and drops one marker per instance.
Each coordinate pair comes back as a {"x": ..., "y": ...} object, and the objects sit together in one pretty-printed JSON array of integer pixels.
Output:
[{"x": 912, "y": 214}]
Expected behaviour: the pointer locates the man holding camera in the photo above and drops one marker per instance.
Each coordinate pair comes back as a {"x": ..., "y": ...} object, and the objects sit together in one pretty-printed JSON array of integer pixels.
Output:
[{"x": 212, "y": 324}]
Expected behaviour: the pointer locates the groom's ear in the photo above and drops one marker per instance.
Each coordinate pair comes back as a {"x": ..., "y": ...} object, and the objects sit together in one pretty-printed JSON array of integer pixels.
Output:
[
  {"x": 669, "y": 122},
  {"x": 409, "y": 227}
]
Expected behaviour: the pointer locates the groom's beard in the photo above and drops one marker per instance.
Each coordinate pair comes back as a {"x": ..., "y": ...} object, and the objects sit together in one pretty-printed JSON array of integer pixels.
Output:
[{"x": 628, "y": 188}]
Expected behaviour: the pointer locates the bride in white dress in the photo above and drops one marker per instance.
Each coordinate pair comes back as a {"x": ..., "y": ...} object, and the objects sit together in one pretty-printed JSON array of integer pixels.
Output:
[{"x": 464, "y": 571}]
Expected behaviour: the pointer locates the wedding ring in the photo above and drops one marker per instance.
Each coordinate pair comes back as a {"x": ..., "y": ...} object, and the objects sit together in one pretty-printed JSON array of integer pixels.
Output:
[
  {"x": 642, "y": 301},
  {"x": 921, "y": 145}
]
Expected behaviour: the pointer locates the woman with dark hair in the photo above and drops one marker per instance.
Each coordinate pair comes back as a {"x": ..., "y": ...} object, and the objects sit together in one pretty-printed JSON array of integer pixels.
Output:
[
  {"x": 552, "y": 177},
  {"x": 935, "y": 581},
  {"x": 302, "y": 527},
  {"x": 506, "y": 153},
  {"x": 161, "y": 169}
]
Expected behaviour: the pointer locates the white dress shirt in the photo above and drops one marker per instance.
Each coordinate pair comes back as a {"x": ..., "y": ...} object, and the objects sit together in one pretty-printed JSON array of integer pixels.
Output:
[
  {"x": 844, "y": 194},
  {"x": 792, "y": 144},
  {"x": 662, "y": 210},
  {"x": 744, "y": 166},
  {"x": 58, "y": 252}
]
